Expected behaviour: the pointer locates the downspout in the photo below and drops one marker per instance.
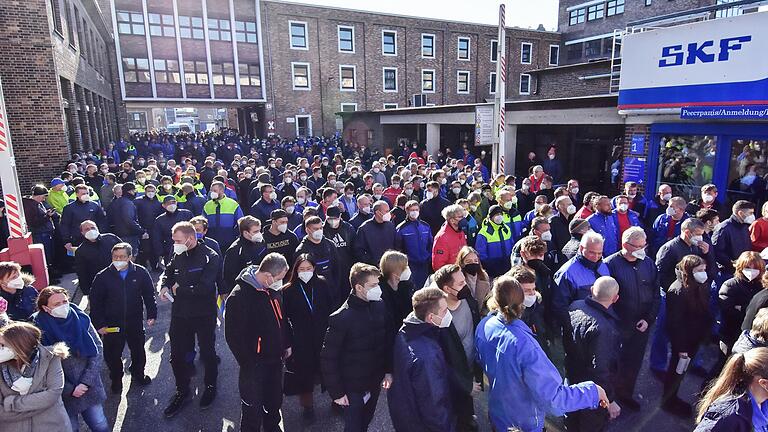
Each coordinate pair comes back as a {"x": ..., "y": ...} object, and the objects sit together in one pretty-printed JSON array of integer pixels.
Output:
[{"x": 271, "y": 71}]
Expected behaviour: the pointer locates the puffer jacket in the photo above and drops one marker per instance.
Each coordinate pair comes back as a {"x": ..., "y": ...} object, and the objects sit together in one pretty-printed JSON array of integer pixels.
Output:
[
  {"x": 639, "y": 282},
  {"x": 608, "y": 227},
  {"x": 415, "y": 239},
  {"x": 574, "y": 282},
  {"x": 733, "y": 298},
  {"x": 448, "y": 243},
  {"x": 729, "y": 413},
  {"x": 730, "y": 238},
  {"x": 494, "y": 246}
]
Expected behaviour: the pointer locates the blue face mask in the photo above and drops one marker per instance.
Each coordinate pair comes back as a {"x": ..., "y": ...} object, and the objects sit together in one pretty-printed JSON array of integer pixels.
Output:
[{"x": 198, "y": 235}]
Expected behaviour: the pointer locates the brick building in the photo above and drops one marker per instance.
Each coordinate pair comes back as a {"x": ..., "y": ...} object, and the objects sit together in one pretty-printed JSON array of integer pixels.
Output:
[{"x": 57, "y": 79}]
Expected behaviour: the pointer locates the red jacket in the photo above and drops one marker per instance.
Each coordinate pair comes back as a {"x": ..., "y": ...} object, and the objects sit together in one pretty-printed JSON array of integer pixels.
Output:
[
  {"x": 758, "y": 232},
  {"x": 391, "y": 194},
  {"x": 446, "y": 247}
]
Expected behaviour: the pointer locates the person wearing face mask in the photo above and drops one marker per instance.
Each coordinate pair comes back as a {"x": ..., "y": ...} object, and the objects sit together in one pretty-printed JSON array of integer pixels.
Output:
[
  {"x": 376, "y": 235},
  {"x": 540, "y": 228},
  {"x": 304, "y": 199},
  {"x": 190, "y": 280},
  {"x": 657, "y": 205},
  {"x": 93, "y": 255},
  {"x": 636, "y": 308},
  {"x": 287, "y": 187},
  {"x": 162, "y": 243},
  {"x": 414, "y": 237},
  {"x": 278, "y": 239},
  {"x": 342, "y": 234},
  {"x": 148, "y": 208},
  {"x": 711, "y": 218},
  {"x": 688, "y": 323},
  {"x": 420, "y": 397},
  {"x": 636, "y": 199},
  {"x": 396, "y": 285},
  {"x": 625, "y": 217},
  {"x": 57, "y": 195},
  {"x": 120, "y": 295},
  {"x": 348, "y": 200},
  {"x": 356, "y": 359},
  {"x": 295, "y": 219},
  {"x": 364, "y": 211},
  {"x": 559, "y": 224},
  {"x": 539, "y": 204},
  {"x": 399, "y": 214},
  {"x": 247, "y": 249},
  {"x": 494, "y": 243},
  {"x": 123, "y": 218},
  {"x": 62, "y": 322},
  {"x": 432, "y": 207},
  {"x": 525, "y": 198},
  {"x": 731, "y": 237},
  {"x": 263, "y": 207},
  {"x": 592, "y": 351},
  {"x": 735, "y": 295},
  {"x": 31, "y": 381},
  {"x": 534, "y": 314},
  {"x": 258, "y": 334},
  {"x": 222, "y": 213},
  {"x": 667, "y": 225},
  {"x": 394, "y": 190},
  {"x": 306, "y": 305},
  {"x": 323, "y": 254},
  {"x": 76, "y": 213},
  {"x": 17, "y": 290},
  {"x": 605, "y": 223}
]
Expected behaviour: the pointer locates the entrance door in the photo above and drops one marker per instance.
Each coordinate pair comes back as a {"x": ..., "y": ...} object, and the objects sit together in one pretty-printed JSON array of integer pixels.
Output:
[
  {"x": 303, "y": 126},
  {"x": 746, "y": 168}
]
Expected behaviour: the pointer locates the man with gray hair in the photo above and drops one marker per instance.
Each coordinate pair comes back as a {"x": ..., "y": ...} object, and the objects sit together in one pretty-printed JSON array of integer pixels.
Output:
[
  {"x": 667, "y": 226},
  {"x": 592, "y": 350},
  {"x": 575, "y": 278},
  {"x": 450, "y": 238},
  {"x": 376, "y": 235},
  {"x": 637, "y": 307},
  {"x": 256, "y": 332}
]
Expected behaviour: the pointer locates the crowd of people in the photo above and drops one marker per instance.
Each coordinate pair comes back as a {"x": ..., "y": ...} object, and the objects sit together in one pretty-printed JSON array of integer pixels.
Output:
[{"x": 425, "y": 276}]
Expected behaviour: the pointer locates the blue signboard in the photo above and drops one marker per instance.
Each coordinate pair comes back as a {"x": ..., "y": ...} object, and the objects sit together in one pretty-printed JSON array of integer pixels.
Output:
[
  {"x": 638, "y": 144},
  {"x": 634, "y": 170},
  {"x": 751, "y": 112}
]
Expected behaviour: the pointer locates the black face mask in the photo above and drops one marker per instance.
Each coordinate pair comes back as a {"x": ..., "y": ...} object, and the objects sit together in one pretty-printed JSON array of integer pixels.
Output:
[
  {"x": 472, "y": 268},
  {"x": 535, "y": 264},
  {"x": 464, "y": 293}
]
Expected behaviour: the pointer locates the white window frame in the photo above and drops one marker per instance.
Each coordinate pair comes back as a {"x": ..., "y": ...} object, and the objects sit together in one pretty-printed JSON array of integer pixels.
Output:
[
  {"x": 354, "y": 78},
  {"x": 434, "y": 80},
  {"x": 306, "y": 35},
  {"x": 520, "y": 89},
  {"x": 383, "y": 31},
  {"x": 557, "y": 59},
  {"x": 354, "y": 104},
  {"x": 493, "y": 51},
  {"x": 530, "y": 52},
  {"x": 293, "y": 76},
  {"x": 469, "y": 75},
  {"x": 387, "y": 105},
  {"x": 384, "y": 80},
  {"x": 469, "y": 48},
  {"x": 421, "y": 45},
  {"x": 338, "y": 38},
  {"x": 491, "y": 79},
  {"x": 309, "y": 123}
]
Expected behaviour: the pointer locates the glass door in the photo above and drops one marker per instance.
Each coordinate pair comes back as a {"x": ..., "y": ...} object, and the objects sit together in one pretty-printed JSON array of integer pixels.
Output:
[
  {"x": 747, "y": 170},
  {"x": 686, "y": 163}
]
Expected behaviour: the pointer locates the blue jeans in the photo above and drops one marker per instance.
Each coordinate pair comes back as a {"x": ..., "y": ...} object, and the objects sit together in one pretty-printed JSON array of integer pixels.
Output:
[{"x": 94, "y": 417}]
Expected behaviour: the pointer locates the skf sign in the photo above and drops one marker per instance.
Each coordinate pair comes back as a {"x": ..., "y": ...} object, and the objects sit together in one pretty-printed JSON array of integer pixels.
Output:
[{"x": 705, "y": 52}]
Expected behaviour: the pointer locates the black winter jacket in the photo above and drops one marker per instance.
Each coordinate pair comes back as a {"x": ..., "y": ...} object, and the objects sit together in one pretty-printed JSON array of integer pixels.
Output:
[
  {"x": 93, "y": 257},
  {"x": 148, "y": 211},
  {"x": 671, "y": 252},
  {"x": 689, "y": 320},
  {"x": 733, "y": 298},
  {"x": 76, "y": 213},
  {"x": 373, "y": 239},
  {"x": 124, "y": 218},
  {"x": 240, "y": 255},
  {"x": 728, "y": 414},
  {"x": 730, "y": 238},
  {"x": 162, "y": 242},
  {"x": 195, "y": 272},
  {"x": 324, "y": 256},
  {"x": 759, "y": 301},
  {"x": 118, "y": 302},
  {"x": 431, "y": 212},
  {"x": 639, "y": 296},
  {"x": 357, "y": 351}
]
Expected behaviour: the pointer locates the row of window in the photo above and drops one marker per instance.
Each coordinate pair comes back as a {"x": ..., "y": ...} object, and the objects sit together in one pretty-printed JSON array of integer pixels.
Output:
[
  {"x": 162, "y": 25},
  {"x": 346, "y": 42},
  {"x": 597, "y": 11},
  {"x": 89, "y": 44},
  {"x": 136, "y": 70},
  {"x": 348, "y": 79}
]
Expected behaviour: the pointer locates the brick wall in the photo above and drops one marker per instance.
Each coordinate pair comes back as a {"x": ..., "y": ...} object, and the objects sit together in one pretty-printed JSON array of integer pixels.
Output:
[{"x": 568, "y": 81}]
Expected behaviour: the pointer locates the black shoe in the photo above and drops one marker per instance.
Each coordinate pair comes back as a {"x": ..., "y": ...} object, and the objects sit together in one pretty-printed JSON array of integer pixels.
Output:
[
  {"x": 629, "y": 403},
  {"x": 177, "y": 402},
  {"x": 141, "y": 380},
  {"x": 208, "y": 396},
  {"x": 678, "y": 407},
  {"x": 117, "y": 386}
]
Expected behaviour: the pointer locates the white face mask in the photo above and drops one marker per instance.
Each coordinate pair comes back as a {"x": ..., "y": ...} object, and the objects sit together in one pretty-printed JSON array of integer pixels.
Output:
[
  {"x": 290, "y": 209},
  {"x": 529, "y": 300},
  {"x": 749, "y": 219},
  {"x": 273, "y": 196},
  {"x": 666, "y": 197},
  {"x": 429, "y": 195},
  {"x": 414, "y": 214},
  {"x": 700, "y": 277},
  {"x": 546, "y": 236},
  {"x": 498, "y": 220},
  {"x": 257, "y": 238},
  {"x": 120, "y": 265},
  {"x": 277, "y": 285},
  {"x": 575, "y": 191},
  {"x": 456, "y": 190},
  {"x": 6, "y": 354},
  {"x": 373, "y": 294},
  {"x": 150, "y": 195},
  {"x": 707, "y": 198},
  {"x": 288, "y": 180},
  {"x": 92, "y": 234},
  {"x": 750, "y": 273},
  {"x": 695, "y": 240},
  {"x": 179, "y": 248},
  {"x": 406, "y": 274},
  {"x": 571, "y": 209},
  {"x": 16, "y": 284},
  {"x": 334, "y": 223},
  {"x": 306, "y": 276},
  {"x": 282, "y": 228},
  {"x": 301, "y": 200},
  {"x": 61, "y": 311},
  {"x": 670, "y": 211},
  {"x": 214, "y": 195},
  {"x": 317, "y": 235},
  {"x": 386, "y": 217},
  {"x": 639, "y": 254},
  {"x": 366, "y": 209},
  {"x": 508, "y": 205},
  {"x": 171, "y": 208},
  {"x": 84, "y": 198},
  {"x": 445, "y": 322},
  {"x": 623, "y": 208}
]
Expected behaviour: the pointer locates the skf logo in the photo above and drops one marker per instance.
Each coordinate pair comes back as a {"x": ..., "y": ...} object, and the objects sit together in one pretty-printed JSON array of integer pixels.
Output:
[{"x": 704, "y": 52}]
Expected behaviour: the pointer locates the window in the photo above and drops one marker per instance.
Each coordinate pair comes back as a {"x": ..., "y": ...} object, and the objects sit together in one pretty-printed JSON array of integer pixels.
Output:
[
  {"x": 346, "y": 39},
  {"x": 390, "y": 106},
  {"x": 298, "y": 34},
  {"x": 136, "y": 70},
  {"x": 190, "y": 27},
  {"x": 494, "y": 50},
  {"x": 526, "y": 49},
  {"x": 245, "y": 31},
  {"x": 347, "y": 81},
  {"x": 615, "y": 7},
  {"x": 161, "y": 25},
  {"x": 219, "y": 29},
  {"x": 70, "y": 28},
  {"x": 195, "y": 72},
  {"x": 592, "y": 48},
  {"x": 648, "y": 2},
  {"x": 427, "y": 45},
  {"x": 554, "y": 55},
  {"x": 300, "y": 72},
  {"x": 130, "y": 23},
  {"x": 137, "y": 120},
  {"x": 223, "y": 73},
  {"x": 348, "y": 107},
  {"x": 686, "y": 163},
  {"x": 389, "y": 42},
  {"x": 577, "y": 16},
  {"x": 492, "y": 83},
  {"x": 595, "y": 12},
  {"x": 390, "y": 79},
  {"x": 462, "y": 82},
  {"x": 250, "y": 75},
  {"x": 608, "y": 46},
  {"x": 167, "y": 71},
  {"x": 428, "y": 80},
  {"x": 574, "y": 51},
  {"x": 727, "y": 12},
  {"x": 525, "y": 84},
  {"x": 741, "y": 185},
  {"x": 463, "y": 48},
  {"x": 55, "y": 8}
]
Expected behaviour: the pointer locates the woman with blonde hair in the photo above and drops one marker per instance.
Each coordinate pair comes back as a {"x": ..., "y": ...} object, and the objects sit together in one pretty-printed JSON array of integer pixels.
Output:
[
  {"x": 31, "y": 381},
  {"x": 477, "y": 279},
  {"x": 396, "y": 286},
  {"x": 736, "y": 293},
  {"x": 735, "y": 401}
]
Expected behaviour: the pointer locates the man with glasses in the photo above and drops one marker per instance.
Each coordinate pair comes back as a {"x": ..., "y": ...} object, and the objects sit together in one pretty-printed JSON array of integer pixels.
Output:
[{"x": 636, "y": 308}]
